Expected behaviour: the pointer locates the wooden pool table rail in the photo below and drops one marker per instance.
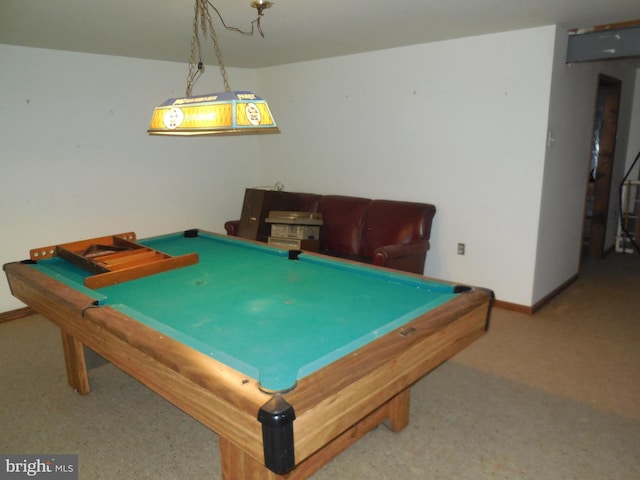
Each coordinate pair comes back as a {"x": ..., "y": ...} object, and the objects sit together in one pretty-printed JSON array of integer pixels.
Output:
[{"x": 334, "y": 406}]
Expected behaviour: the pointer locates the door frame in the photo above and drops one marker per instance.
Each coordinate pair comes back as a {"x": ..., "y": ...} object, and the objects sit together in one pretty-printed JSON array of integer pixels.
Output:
[{"x": 603, "y": 143}]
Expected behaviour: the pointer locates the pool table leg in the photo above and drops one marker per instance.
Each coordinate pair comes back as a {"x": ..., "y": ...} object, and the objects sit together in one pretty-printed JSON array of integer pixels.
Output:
[
  {"x": 75, "y": 362},
  {"x": 399, "y": 411},
  {"x": 236, "y": 464}
]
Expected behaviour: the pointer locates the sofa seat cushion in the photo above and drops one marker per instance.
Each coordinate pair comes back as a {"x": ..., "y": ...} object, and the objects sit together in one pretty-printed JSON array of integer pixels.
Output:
[{"x": 343, "y": 219}]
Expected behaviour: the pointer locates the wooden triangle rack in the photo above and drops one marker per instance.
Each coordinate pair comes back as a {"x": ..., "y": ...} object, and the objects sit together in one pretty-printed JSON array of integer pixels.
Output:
[{"x": 114, "y": 259}]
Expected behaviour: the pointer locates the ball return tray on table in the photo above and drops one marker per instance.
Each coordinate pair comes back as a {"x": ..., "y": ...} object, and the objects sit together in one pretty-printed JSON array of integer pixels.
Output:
[{"x": 114, "y": 259}]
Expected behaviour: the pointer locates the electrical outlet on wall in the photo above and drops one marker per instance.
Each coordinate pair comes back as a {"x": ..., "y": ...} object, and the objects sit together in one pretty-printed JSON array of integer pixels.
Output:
[{"x": 461, "y": 248}]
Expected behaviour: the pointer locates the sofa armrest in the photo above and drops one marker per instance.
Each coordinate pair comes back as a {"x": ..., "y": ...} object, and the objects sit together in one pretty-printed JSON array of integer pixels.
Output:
[
  {"x": 232, "y": 227},
  {"x": 408, "y": 257}
]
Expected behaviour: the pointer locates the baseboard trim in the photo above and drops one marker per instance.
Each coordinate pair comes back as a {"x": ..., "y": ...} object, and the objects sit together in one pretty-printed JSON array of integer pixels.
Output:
[
  {"x": 542, "y": 302},
  {"x": 16, "y": 314},
  {"x": 514, "y": 307}
]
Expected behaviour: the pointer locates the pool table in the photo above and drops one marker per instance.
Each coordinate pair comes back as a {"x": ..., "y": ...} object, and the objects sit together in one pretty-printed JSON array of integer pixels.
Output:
[{"x": 288, "y": 356}]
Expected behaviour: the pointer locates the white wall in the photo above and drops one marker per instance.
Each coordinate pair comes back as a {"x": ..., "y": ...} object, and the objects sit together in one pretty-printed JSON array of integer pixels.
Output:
[
  {"x": 623, "y": 140},
  {"x": 634, "y": 133},
  {"x": 70, "y": 171},
  {"x": 567, "y": 163},
  {"x": 460, "y": 123}
]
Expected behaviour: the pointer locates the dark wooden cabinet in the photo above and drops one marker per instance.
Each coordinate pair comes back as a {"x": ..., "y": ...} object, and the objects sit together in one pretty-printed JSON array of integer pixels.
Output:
[{"x": 256, "y": 207}]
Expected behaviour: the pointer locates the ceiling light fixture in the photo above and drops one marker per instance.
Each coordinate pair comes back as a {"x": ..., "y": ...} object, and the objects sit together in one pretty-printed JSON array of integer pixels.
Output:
[{"x": 226, "y": 113}]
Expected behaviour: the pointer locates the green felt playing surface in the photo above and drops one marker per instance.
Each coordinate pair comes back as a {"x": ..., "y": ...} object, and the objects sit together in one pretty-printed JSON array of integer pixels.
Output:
[{"x": 250, "y": 306}]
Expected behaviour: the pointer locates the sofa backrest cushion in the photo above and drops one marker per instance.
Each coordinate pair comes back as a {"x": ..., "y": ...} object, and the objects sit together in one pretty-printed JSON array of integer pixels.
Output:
[
  {"x": 343, "y": 219},
  {"x": 389, "y": 222}
]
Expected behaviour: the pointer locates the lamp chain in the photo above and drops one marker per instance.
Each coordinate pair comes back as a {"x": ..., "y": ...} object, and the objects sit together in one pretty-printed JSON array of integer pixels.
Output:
[
  {"x": 195, "y": 65},
  {"x": 216, "y": 46},
  {"x": 202, "y": 21}
]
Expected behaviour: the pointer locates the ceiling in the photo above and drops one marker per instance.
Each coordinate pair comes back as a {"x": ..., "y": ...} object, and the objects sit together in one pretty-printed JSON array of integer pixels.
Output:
[{"x": 295, "y": 30}]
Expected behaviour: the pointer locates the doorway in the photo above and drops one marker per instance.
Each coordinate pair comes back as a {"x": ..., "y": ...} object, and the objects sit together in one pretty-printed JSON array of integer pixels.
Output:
[{"x": 603, "y": 145}]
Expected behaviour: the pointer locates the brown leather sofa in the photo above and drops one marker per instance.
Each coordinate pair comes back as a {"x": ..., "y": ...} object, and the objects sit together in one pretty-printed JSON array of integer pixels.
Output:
[{"x": 387, "y": 233}]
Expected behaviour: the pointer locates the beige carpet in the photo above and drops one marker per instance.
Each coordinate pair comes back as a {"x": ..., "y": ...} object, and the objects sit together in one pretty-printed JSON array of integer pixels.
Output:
[{"x": 553, "y": 396}]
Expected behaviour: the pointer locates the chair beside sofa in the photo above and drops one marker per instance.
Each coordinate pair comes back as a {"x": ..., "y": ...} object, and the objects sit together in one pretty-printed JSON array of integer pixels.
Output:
[{"x": 388, "y": 233}]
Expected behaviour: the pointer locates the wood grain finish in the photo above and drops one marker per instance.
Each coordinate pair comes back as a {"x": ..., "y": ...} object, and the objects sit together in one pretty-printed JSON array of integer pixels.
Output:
[{"x": 335, "y": 406}]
